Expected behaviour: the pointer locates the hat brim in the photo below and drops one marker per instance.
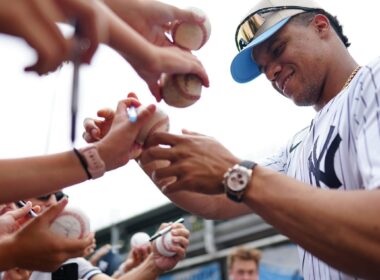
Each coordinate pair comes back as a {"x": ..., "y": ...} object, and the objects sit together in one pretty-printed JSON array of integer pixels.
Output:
[{"x": 243, "y": 67}]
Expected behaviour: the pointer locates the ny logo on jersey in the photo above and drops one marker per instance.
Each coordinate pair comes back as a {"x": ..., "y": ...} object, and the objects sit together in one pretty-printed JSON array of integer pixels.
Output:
[{"x": 328, "y": 176}]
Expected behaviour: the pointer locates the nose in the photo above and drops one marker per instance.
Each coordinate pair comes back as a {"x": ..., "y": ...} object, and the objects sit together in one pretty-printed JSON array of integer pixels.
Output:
[{"x": 272, "y": 70}]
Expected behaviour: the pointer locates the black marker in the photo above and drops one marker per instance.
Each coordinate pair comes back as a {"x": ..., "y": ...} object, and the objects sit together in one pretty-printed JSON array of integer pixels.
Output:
[
  {"x": 165, "y": 230},
  {"x": 22, "y": 203}
]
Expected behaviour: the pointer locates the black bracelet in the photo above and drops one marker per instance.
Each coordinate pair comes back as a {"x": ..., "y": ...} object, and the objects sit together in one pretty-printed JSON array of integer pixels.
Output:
[{"x": 83, "y": 162}]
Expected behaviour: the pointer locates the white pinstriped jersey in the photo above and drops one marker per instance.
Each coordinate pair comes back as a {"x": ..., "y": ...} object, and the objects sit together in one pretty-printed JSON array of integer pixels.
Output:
[{"x": 340, "y": 150}]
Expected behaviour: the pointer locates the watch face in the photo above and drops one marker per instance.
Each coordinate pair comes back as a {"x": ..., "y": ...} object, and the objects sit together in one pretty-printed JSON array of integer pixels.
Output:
[{"x": 237, "y": 180}]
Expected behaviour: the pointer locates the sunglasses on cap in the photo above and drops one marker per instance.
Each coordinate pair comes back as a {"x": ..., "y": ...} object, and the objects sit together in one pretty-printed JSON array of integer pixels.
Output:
[
  {"x": 58, "y": 196},
  {"x": 248, "y": 28}
]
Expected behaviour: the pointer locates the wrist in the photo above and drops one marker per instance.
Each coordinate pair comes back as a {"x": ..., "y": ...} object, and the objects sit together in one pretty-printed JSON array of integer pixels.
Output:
[
  {"x": 238, "y": 179},
  {"x": 259, "y": 189},
  {"x": 91, "y": 161}
]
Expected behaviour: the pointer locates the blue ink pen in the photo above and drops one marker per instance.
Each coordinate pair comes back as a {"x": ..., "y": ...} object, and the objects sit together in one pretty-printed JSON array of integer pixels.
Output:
[
  {"x": 22, "y": 203},
  {"x": 132, "y": 113}
]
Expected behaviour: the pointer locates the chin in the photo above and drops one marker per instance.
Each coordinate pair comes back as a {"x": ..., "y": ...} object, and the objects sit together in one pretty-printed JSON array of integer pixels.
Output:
[{"x": 303, "y": 102}]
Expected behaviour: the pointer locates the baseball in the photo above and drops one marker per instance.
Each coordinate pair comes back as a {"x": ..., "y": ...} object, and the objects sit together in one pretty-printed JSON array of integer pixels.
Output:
[
  {"x": 72, "y": 223},
  {"x": 181, "y": 90},
  {"x": 158, "y": 122},
  {"x": 191, "y": 36},
  {"x": 164, "y": 245},
  {"x": 139, "y": 239}
]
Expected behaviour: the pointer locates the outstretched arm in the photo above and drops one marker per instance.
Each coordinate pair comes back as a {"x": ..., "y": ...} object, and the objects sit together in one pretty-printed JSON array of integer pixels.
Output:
[
  {"x": 34, "y": 176},
  {"x": 339, "y": 227}
]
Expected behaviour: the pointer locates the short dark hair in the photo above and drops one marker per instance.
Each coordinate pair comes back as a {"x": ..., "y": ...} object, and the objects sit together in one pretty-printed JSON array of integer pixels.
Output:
[
  {"x": 244, "y": 254},
  {"x": 307, "y": 17}
]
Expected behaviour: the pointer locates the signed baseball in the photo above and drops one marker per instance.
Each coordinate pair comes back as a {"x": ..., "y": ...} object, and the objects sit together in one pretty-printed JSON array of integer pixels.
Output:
[
  {"x": 191, "y": 36},
  {"x": 181, "y": 90},
  {"x": 72, "y": 222},
  {"x": 164, "y": 245}
]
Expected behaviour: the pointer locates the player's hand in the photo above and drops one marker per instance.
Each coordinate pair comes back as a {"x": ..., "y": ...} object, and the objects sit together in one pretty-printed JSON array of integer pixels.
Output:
[
  {"x": 197, "y": 162},
  {"x": 34, "y": 20},
  {"x": 180, "y": 239},
  {"x": 36, "y": 247}
]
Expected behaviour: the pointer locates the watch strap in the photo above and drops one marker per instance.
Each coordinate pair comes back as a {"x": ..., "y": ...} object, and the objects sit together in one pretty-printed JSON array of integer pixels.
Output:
[
  {"x": 95, "y": 165},
  {"x": 248, "y": 164}
]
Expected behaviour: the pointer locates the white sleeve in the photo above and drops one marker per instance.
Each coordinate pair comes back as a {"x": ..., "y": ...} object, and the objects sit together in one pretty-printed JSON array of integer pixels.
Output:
[
  {"x": 280, "y": 161},
  {"x": 276, "y": 162},
  {"x": 365, "y": 123}
]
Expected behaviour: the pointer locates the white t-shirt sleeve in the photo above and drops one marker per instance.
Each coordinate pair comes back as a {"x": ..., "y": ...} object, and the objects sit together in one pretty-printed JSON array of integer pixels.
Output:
[{"x": 365, "y": 123}]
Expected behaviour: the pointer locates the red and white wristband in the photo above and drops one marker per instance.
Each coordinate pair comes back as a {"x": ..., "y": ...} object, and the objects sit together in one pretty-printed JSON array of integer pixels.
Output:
[{"x": 91, "y": 161}]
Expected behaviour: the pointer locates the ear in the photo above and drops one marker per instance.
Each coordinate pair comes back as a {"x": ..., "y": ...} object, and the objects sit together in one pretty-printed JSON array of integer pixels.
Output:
[{"x": 322, "y": 25}]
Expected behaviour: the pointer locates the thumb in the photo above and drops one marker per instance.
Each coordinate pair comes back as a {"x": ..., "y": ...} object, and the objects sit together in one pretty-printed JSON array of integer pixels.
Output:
[{"x": 53, "y": 211}]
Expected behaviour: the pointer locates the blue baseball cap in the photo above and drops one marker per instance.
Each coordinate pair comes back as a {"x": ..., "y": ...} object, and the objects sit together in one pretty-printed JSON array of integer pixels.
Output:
[{"x": 264, "y": 20}]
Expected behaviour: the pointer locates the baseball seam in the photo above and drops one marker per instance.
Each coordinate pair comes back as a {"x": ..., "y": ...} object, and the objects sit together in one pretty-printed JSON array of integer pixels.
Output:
[{"x": 183, "y": 91}]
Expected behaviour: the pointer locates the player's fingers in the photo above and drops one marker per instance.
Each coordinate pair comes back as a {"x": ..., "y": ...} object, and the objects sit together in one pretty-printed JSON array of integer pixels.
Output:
[
  {"x": 172, "y": 188},
  {"x": 189, "y": 132},
  {"x": 157, "y": 153},
  {"x": 163, "y": 138},
  {"x": 167, "y": 172}
]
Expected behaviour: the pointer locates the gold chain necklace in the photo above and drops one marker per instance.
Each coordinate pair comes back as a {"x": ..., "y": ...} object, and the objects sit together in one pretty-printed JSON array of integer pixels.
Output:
[{"x": 351, "y": 77}]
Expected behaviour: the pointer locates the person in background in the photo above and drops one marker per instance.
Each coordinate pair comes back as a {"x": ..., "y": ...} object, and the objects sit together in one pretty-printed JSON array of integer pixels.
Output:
[{"x": 243, "y": 264}]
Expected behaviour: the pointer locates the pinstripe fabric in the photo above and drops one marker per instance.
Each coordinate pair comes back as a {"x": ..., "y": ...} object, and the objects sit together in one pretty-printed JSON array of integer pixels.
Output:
[{"x": 340, "y": 150}]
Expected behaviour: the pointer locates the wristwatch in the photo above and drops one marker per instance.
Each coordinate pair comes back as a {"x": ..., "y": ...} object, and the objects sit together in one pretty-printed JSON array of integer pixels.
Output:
[
  {"x": 237, "y": 178},
  {"x": 95, "y": 165}
]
